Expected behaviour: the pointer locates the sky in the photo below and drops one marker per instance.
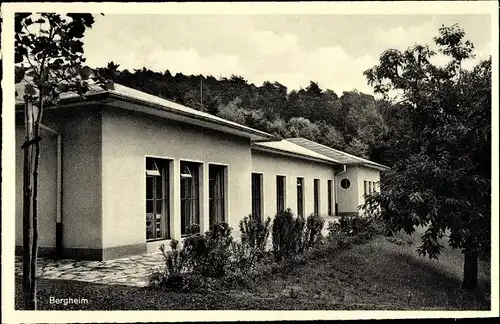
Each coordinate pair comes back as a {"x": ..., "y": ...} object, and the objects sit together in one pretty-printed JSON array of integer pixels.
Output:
[{"x": 332, "y": 50}]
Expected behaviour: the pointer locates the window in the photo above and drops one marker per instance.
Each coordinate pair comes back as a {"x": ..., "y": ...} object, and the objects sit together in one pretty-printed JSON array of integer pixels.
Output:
[
  {"x": 280, "y": 193},
  {"x": 190, "y": 195},
  {"x": 300, "y": 196},
  {"x": 345, "y": 183},
  {"x": 216, "y": 193},
  {"x": 330, "y": 196},
  {"x": 157, "y": 199},
  {"x": 366, "y": 188},
  {"x": 316, "y": 196},
  {"x": 369, "y": 187},
  {"x": 257, "y": 195}
]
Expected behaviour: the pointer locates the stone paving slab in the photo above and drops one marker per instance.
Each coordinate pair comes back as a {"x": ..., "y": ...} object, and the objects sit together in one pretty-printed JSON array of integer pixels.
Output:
[{"x": 126, "y": 271}]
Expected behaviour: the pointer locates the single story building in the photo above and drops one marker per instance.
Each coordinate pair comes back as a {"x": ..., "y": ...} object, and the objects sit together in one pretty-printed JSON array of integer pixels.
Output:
[{"x": 123, "y": 171}]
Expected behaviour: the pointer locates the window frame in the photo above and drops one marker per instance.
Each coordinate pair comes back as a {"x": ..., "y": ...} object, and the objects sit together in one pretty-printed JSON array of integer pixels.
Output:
[
  {"x": 330, "y": 197},
  {"x": 191, "y": 201},
  {"x": 160, "y": 173},
  {"x": 316, "y": 196},
  {"x": 257, "y": 200},
  {"x": 280, "y": 194},
  {"x": 220, "y": 171},
  {"x": 300, "y": 196},
  {"x": 348, "y": 181}
]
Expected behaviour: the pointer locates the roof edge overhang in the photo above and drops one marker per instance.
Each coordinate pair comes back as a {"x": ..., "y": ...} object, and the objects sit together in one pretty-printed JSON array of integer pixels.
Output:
[
  {"x": 206, "y": 122},
  {"x": 113, "y": 99},
  {"x": 292, "y": 154},
  {"x": 373, "y": 166},
  {"x": 362, "y": 161}
]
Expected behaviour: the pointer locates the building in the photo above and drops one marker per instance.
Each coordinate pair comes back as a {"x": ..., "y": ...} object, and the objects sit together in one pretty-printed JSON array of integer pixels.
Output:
[{"x": 124, "y": 171}]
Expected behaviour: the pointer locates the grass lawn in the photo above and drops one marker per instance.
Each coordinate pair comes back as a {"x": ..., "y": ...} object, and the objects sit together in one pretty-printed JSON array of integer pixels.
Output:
[{"x": 376, "y": 275}]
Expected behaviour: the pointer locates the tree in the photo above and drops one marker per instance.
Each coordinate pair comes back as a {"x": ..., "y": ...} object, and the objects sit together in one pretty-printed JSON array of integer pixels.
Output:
[
  {"x": 48, "y": 60},
  {"x": 232, "y": 111},
  {"x": 302, "y": 127},
  {"x": 441, "y": 178}
]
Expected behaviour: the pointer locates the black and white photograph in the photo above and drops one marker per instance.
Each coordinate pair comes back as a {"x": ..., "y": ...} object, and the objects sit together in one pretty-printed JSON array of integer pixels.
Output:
[{"x": 250, "y": 157}]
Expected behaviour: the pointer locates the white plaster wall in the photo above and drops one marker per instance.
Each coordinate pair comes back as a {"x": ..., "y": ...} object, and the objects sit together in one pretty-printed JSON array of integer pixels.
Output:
[
  {"x": 128, "y": 138},
  {"x": 271, "y": 165},
  {"x": 367, "y": 174},
  {"x": 347, "y": 199},
  {"x": 81, "y": 169},
  {"x": 47, "y": 190},
  {"x": 81, "y": 137}
]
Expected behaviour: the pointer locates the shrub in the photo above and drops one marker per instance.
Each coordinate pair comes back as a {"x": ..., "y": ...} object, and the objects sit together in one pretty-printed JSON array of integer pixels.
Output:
[
  {"x": 254, "y": 237},
  {"x": 287, "y": 234},
  {"x": 336, "y": 238},
  {"x": 362, "y": 228},
  {"x": 209, "y": 254},
  {"x": 172, "y": 276},
  {"x": 355, "y": 224},
  {"x": 314, "y": 226}
]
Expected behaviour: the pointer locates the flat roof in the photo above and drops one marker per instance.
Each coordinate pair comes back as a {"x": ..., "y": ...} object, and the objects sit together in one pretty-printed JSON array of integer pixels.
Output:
[
  {"x": 140, "y": 101},
  {"x": 343, "y": 157}
]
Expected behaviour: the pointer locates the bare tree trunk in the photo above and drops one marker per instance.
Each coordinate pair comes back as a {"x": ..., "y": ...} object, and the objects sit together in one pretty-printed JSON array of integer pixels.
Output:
[
  {"x": 28, "y": 294},
  {"x": 34, "y": 248},
  {"x": 470, "y": 269}
]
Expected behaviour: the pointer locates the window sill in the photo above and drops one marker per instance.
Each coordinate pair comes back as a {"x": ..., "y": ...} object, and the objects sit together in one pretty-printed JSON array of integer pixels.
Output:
[{"x": 157, "y": 239}]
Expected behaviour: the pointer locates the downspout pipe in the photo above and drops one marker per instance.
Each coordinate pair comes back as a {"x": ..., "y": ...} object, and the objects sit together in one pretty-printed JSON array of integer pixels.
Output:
[
  {"x": 59, "y": 222},
  {"x": 344, "y": 169}
]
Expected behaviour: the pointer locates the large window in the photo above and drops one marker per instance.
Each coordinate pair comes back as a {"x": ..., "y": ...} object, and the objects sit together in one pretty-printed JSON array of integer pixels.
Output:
[
  {"x": 216, "y": 193},
  {"x": 257, "y": 195},
  {"x": 316, "y": 196},
  {"x": 190, "y": 195},
  {"x": 300, "y": 196},
  {"x": 330, "y": 197},
  {"x": 157, "y": 199},
  {"x": 280, "y": 193}
]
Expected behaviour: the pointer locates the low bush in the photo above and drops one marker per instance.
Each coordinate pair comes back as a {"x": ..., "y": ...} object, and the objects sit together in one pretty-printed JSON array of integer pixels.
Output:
[
  {"x": 209, "y": 254},
  {"x": 337, "y": 238},
  {"x": 294, "y": 235},
  {"x": 254, "y": 236},
  {"x": 287, "y": 234},
  {"x": 172, "y": 275},
  {"x": 314, "y": 226},
  {"x": 362, "y": 228}
]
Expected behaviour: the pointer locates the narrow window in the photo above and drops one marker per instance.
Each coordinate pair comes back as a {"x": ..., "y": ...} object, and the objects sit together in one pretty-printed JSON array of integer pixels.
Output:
[
  {"x": 216, "y": 193},
  {"x": 280, "y": 193},
  {"x": 157, "y": 199},
  {"x": 316, "y": 196},
  {"x": 366, "y": 188},
  {"x": 330, "y": 196},
  {"x": 190, "y": 195},
  {"x": 369, "y": 187},
  {"x": 300, "y": 196},
  {"x": 257, "y": 195}
]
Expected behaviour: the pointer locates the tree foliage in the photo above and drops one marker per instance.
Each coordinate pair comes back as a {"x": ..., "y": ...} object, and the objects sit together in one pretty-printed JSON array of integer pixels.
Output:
[{"x": 441, "y": 150}]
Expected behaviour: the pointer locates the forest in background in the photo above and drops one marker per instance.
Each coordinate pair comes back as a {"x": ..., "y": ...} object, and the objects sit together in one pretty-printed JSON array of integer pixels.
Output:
[{"x": 352, "y": 122}]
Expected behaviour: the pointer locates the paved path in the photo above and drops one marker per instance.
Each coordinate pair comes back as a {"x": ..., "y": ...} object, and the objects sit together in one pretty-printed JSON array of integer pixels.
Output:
[{"x": 130, "y": 271}]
